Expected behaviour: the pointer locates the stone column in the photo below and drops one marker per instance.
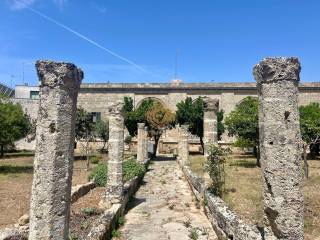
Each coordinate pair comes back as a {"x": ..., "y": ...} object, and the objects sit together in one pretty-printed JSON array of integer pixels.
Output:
[
  {"x": 114, "y": 188},
  {"x": 141, "y": 143},
  {"x": 279, "y": 132},
  {"x": 184, "y": 146},
  {"x": 210, "y": 123},
  {"x": 146, "y": 154},
  {"x": 53, "y": 160}
]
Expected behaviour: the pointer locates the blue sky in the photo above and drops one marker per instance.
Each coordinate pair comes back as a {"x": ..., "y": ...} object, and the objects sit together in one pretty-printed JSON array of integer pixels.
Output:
[{"x": 217, "y": 41}]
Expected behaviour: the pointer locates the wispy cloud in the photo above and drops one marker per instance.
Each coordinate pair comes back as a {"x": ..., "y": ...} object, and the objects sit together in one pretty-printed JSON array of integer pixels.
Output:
[
  {"x": 22, "y": 4},
  {"x": 99, "y": 8}
]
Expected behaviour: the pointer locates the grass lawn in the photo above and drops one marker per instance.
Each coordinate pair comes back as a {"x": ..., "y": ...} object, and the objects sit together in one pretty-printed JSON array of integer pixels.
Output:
[
  {"x": 15, "y": 184},
  {"x": 243, "y": 190}
]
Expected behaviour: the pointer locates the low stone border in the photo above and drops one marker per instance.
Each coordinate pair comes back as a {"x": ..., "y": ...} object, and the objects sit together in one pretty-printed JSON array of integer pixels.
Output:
[
  {"x": 108, "y": 220},
  {"x": 225, "y": 222},
  {"x": 21, "y": 229},
  {"x": 79, "y": 191}
]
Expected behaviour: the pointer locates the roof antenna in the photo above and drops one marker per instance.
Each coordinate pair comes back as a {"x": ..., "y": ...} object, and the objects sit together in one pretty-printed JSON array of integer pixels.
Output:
[{"x": 176, "y": 65}]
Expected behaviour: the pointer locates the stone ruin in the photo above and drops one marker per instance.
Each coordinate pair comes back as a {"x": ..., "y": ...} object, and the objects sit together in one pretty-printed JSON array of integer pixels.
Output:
[
  {"x": 53, "y": 161},
  {"x": 114, "y": 188},
  {"x": 210, "y": 123},
  {"x": 277, "y": 81},
  {"x": 142, "y": 148},
  {"x": 280, "y": 139}
]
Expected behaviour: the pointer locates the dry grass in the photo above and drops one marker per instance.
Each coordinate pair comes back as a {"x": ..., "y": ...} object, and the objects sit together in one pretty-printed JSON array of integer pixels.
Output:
[
  {"x": 15, "y": 185},
  {"x": 243, "y": 190}
]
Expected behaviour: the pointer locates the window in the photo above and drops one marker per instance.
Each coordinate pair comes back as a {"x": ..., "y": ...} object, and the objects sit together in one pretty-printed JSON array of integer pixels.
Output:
[
  {"x": 34, "y": 94},
  {"x": 96, "y": 116}
]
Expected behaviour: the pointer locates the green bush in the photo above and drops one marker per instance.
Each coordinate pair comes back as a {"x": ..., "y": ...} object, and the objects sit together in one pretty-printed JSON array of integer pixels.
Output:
[
  {"x": 99, "y": 175},
  {"x": 132, "y": 168},
  {"x": 215, "y": 168},
  {"x": 95, "y": 159}
]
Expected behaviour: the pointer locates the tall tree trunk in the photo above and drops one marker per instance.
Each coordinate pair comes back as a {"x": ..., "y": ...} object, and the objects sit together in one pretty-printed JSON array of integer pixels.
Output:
[
  {"x": 306, "y": 165},
  {"x": 2, "y": 151},
  {"x": 156, "y": 141},
  {"x": 202, "y": 145}
]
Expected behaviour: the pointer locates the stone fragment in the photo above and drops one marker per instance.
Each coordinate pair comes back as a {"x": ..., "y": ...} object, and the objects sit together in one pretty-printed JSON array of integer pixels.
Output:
[
  {"x": 210, "y": 123},
  {"x": 51, "y": 187},
  {"x": 24, "y": 219},
  {"x": 114, "y": 188},
  {"x": 141, "y": 143},
  {"x": 279, "y": 132},
  {"x": 183, "y": 145}
]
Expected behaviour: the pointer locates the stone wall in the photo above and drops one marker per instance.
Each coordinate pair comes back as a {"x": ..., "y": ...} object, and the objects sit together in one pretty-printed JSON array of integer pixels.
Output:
[{"x": 97, "y": 97}]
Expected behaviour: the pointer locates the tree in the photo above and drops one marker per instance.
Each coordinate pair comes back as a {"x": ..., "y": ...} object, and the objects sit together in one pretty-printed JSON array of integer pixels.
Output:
[
  {"x": 101, "y": 130},
  {"x": 310, "y": 130},
  {"x": 14, "y": 124},
  {"x": 243, "y": 123},
  {"x": 191, "y": 113},
  {"x": 133, "y": 117},
  {"x": 84, "y": 130},
  {"x": 159, "y": 119}
]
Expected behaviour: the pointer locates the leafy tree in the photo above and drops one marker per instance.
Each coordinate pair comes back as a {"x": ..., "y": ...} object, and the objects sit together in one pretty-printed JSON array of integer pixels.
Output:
[
  {"x": 102, "y": 131},
  {"x": 84, "y": 130},
  {"x": 243, "y": 123},
  {"x": 159, "y": 119},
  {"x": 14, "y": 124},
  {"x": 191, "y": 113},
  {"x": 133, "y": 117},
  {"x": 310, "y": 130}
]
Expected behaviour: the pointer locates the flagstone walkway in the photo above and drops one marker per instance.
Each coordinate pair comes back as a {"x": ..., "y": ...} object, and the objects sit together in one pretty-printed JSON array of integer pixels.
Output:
[{"x": 164, "y": 208}]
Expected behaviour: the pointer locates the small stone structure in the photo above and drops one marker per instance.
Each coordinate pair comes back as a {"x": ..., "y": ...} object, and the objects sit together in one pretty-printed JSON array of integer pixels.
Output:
[
  {"x": 114, "y": 188},
  {"x": 183, "y": 144},
  {"x": 53, "y": 161},
  {"x": 279, "y": 129},
  {"x": 141, "y": 143},
  {"x": 146, "y": 143},
  {"x": 210, "y": 123}
]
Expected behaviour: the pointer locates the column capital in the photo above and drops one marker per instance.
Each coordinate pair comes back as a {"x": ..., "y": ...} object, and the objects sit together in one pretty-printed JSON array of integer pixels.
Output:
[
  {"x": 141, "y": 125},
  {"x": 116, "y": 108},
  {"x": 277, "y": 69},
  {"x": 54, "y": 74},
  {"x": 211, "y": 104}
]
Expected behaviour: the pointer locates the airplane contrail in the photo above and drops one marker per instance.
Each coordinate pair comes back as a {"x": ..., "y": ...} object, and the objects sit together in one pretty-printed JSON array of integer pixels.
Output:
[{"x": 87, "y": 39}]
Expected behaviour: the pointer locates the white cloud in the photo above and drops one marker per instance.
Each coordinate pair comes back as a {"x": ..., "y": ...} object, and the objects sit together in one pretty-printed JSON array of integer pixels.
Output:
[{"x": 20, "y": 4}]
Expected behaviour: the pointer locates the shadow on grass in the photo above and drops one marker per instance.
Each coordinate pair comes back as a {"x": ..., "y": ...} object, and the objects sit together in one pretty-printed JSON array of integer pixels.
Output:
[
  {"x": 243, "y": 163},
  {"x": 7, "y": 169},
  {"x": 18, "y": 154}
]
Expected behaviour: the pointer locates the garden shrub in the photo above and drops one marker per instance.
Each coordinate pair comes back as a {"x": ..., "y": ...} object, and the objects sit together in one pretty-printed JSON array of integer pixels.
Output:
[
  {"x": 131, "y": 169},
  {"x": 95, "y": 159},
  {"x": 99, "y": 175},
  {"x": 215, "y": 168}
]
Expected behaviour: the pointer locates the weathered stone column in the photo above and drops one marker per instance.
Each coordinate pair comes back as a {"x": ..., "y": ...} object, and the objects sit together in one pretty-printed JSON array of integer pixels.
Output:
[
  {"x": 279, "y": 131},
  {"x": 51, "y": 186},
  {"x": 146, "y": 154},
  {"x": 184, "y": 146},
  {"x": 141, "y": 143},
  {"x": 210, "y": 123},
  {"x": 114, "y": 188}
]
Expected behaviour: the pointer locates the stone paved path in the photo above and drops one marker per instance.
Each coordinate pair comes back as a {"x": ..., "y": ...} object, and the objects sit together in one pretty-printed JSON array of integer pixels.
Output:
[{"x": 164, "y": 208}]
